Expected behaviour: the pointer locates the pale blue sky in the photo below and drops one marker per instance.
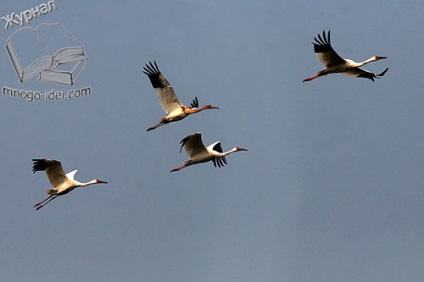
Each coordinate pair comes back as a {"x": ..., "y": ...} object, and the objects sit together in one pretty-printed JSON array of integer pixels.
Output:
[{"x": 330, "y": 190}]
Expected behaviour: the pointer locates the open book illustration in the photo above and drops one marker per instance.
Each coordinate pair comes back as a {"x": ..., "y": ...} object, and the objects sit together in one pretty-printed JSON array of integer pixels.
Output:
[{"x": 48, "y": 51}]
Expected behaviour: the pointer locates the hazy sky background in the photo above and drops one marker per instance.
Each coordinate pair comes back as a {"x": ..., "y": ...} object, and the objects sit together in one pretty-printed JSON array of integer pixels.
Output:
[{"x": 330, "y": 190}]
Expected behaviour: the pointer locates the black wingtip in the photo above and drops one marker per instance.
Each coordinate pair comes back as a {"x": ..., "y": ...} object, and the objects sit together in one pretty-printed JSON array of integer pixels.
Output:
[
  {"x": 39, "y": 165},
  {"x": 153, "y": 72},
  {"x": 383, "y": 73},
  {"x": 184, "y": 141},
  {"x": 194, "y": 103},
  {"x": 371, "y": 75},
  {"x": 219, "y": 161},
  {"x": 322, "y": 43},
  {"x": 34, "y": 164},
  {"x": 151, "y": 68}
]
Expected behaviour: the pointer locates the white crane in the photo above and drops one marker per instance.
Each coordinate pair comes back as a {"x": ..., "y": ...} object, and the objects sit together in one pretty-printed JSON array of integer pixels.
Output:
[
  {"x": 198, "y": 153},
  {"x": 62, "y": 183},
  {"x": 168, "y": 99},
  {"x": 335, "y": 64}
]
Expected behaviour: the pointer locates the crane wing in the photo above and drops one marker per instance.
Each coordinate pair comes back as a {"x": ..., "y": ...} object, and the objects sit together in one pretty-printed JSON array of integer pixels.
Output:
[
  {"x": 71, "y": 175},
  {"x": 193, "y": 145},
  {"x": 53, "y": 169},
  {"x": 195, "y": 103},
  {"x": 216, "y": 147},
  {"x": 325, "y": 52},
  {"x": 358, "y": 72},
  {"x": 166, "y": 95},
  {"x": 217, "y": 161}
]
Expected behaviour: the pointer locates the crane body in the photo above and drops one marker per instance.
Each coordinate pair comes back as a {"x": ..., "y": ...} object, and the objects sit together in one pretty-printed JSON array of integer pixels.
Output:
[
  {"x": 199, "y": 153},
  {"x": 62, "y": 183},
  {"x": 169, "y": 101},
  {"x": 335, "y": 64}
]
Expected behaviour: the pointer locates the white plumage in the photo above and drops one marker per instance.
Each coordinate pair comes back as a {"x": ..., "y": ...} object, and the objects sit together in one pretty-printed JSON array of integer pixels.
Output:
[
  {"x": 169, "y": 101},
  {"x": 199, "y": 153},
  {"x": 335, "y": 64},
  {"x": 62, "y": 183}
]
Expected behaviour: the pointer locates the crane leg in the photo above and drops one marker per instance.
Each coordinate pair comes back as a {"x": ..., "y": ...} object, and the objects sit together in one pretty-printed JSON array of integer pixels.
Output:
[
  {"x": 179, "y": 168},
  {"x": 310, "y": 78},
  {"x": 39, "y": 203},
  {"x": 45, "y": 201},
  {"x": 155, "y": 126}
]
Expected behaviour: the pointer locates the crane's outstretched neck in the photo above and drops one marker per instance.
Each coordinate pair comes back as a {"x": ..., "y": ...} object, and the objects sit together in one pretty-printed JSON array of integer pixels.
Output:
[
  {"x": 235, "y": 149},
  {"x": 91, "y": 182},
  {"x": 360, "y": 64},
  {"x": 195, "y": 110}
]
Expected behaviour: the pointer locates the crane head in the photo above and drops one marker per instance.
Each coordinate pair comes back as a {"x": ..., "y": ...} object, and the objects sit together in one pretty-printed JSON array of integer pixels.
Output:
[
  {"x": 210, "y": 107},
  {"x": 240, "y": 149},
  {"x": 100, "y": 181},
  {"x": 379, "y": 58}
]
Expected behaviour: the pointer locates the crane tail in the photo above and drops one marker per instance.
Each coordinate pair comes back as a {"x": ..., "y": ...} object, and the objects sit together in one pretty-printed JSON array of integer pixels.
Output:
[{"x": 51, "y": 192}]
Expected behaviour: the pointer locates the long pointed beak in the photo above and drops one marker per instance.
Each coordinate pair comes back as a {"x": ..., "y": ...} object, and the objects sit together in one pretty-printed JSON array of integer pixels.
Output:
[
  {"x": 101, "y": 181},
  {"x": 381, "y": 57},
  {"x": 242, "y": 149}
]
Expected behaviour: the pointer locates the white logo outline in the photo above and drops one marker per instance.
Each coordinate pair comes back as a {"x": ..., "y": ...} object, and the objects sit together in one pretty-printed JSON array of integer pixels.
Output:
[{"x": 48, "y": 66}]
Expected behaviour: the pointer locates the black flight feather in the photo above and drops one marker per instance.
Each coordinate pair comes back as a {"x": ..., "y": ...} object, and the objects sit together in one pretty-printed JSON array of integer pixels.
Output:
[
  {"x": 153, "y": 72},
  {"x": 323, "y": 44},
  {"x": 195, "y": 103}
]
